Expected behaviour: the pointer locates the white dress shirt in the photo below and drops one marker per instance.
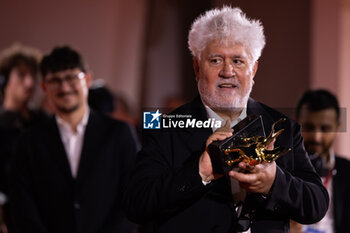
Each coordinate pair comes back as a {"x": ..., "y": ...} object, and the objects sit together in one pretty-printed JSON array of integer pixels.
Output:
[
  {"x": 73, "y": 141},
  {"x": 238, "y": 193}
]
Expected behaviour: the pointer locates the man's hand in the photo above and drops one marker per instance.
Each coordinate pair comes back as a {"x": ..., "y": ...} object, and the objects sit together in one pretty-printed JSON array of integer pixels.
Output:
[
  {"x": 205, "y": 167},
  {"x": 259, "y": 178},
  {"x": 295, "y": 227}
]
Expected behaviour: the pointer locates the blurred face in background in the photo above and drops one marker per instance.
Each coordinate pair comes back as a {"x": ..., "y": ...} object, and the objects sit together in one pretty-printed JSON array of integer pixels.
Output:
[
  {"x": 318, "y": 129},
  {"x": 225, "y": 75},
  {"x": 21, "y": 84},
  {"x": 67, "y": 90}
]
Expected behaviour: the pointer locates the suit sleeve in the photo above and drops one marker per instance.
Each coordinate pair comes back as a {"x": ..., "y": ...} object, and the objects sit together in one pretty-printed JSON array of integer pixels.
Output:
[
  {"x": 157, "y": 189},
  {"x": 25, "y": 214},
  {"x": 298, "y": 193}
]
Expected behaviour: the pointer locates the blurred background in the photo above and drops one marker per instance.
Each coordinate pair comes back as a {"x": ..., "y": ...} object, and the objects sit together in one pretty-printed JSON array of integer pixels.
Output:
[{"x": 139, "y": 47}]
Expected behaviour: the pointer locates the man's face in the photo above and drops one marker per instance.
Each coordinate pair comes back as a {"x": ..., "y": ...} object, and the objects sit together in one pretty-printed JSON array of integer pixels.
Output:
[
  {"x": 225, "y": 76},
  {"x": 67, "y": 90},
  {"x": 318, "y": 129},
  {"x": 21, "y": 84}
]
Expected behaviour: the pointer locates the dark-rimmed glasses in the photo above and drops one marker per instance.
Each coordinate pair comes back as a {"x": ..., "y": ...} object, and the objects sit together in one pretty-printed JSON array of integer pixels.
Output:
[{"x": 71, "y": 79}]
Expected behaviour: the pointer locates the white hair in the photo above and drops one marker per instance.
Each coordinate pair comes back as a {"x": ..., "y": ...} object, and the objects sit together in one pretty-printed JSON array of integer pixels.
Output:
[{"x": 229, "y": 26}]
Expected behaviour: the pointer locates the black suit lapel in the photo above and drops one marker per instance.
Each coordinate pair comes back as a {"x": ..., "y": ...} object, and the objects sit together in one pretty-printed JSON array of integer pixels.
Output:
[
  {"x": 56, "y": 148},
  {"x": 92, "y": 139},
  {"x": 255, "y": 108}
]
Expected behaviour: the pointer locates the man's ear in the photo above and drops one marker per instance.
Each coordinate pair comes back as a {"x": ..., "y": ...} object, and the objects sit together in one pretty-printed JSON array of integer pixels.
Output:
[
  {"x": 88, "y": 79},
  {"x": 196, "y": 67}
]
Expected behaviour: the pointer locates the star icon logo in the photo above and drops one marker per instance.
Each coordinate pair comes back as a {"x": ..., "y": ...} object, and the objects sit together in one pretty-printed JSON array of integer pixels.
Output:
[
  {"x": 156, "y": 115},
  {"x": 151, "y": 120}
]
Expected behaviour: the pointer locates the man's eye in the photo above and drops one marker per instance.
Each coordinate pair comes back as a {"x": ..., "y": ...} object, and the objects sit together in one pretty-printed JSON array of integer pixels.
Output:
[
  {"x": 326, "y": 129},
  {"x": 238, "y": 62},
  {"x": 215, "y": 61},
  {"x": 21, "y": 74},
  {"x": 308, "y": 127},
  {"x": 70, "y": 78}
]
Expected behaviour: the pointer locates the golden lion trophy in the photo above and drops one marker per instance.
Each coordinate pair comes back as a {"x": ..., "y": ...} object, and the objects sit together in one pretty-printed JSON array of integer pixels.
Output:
[{"x": 247, "y": 144}]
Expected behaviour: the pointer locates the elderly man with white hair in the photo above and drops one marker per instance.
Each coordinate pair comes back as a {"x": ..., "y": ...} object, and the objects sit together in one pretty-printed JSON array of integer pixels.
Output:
[{"x": 173, "y": 185}]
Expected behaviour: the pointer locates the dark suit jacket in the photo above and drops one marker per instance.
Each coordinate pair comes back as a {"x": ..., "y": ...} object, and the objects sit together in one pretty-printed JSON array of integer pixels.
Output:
[
  {"x": 166, "y": 188},
  {"x": 45, "y": 196},
  {"x": 12, "y": 124},
  {"x": 341, "y": 195}
]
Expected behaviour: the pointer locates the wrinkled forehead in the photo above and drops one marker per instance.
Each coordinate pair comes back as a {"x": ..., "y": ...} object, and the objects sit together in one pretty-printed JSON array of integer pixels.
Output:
[
  {"x": 24, "y": 68},
  {"x": 225, "y": 45}
]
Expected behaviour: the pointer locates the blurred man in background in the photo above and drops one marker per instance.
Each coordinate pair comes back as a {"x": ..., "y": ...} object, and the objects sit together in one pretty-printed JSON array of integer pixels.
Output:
[
  {"x": 18, "y": 76},
  {"x": 318, "y": 113},
  {"x": 69, "y": 172}
]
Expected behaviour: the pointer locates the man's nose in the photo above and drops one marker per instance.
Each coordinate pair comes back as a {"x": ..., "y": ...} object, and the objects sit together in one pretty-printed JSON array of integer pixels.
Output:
[
  {"x": 317, "y": 136},
  {"x": 28, "y": 80},
  {"x": 227, "y": 70},
  {"x": 64, "y": 85}
]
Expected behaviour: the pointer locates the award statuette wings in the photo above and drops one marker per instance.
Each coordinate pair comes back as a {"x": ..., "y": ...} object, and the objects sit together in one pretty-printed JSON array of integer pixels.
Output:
[{"x": 248, "y": 144}]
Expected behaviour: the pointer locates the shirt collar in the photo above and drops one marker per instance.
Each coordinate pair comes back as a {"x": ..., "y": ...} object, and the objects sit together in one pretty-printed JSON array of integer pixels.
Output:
[
  {"x": 215, "y": 116},
  {"x": 63, "y": 125}
]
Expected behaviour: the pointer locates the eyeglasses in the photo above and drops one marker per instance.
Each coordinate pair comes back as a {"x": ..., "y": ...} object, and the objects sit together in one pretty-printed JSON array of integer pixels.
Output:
[{"x": 71, "y": 79}]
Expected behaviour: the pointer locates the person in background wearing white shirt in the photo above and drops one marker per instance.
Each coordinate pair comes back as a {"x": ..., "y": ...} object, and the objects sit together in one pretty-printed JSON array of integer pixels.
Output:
[
  {"x": 318, "y": 113},
  {"x": 69, "y": 172}
]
